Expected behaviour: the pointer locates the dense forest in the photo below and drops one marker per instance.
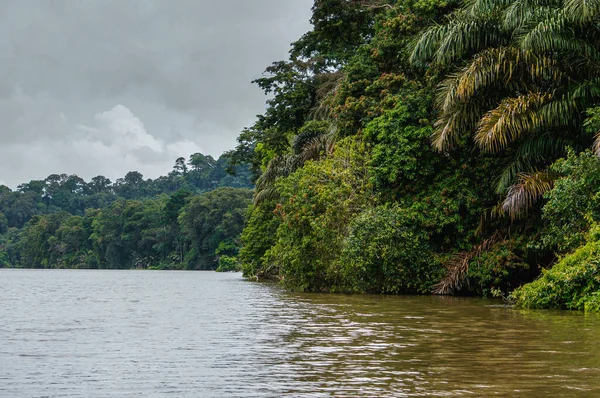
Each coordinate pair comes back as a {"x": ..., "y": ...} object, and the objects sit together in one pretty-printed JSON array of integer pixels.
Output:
[
  {"x": 432, "y": 146},
  {"x": 189, "y": 219}
]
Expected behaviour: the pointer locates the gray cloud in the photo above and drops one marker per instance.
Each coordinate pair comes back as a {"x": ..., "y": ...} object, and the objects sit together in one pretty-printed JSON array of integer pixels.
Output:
[{"x": 107, "y": 86}]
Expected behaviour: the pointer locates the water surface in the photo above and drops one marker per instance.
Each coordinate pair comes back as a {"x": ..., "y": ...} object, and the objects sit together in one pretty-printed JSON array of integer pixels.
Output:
[{"x": 201, "y": 334}]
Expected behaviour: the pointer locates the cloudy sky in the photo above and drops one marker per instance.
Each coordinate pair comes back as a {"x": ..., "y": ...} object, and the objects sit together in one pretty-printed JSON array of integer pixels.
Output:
[{"x": 93, "y": 87}]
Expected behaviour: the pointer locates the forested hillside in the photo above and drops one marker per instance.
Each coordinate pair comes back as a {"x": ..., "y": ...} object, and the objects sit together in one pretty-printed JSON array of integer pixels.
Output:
[
  {"x": 419, "y": 146},
  {"x": 190, "y": 219}
]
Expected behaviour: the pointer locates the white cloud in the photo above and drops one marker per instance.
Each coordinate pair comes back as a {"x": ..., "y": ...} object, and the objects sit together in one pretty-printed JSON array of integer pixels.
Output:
[
  {"x": 182, "y": 75},
  {"x": 120, "y": 130},
  {"x": 117, "y": 142}
]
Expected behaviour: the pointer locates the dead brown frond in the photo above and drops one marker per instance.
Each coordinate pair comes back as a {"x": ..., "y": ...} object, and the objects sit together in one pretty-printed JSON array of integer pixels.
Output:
[
  {"x": 596, "y": 145},
  {"x": 528, "y": 190},
  {"x": 457, "y": 268}
]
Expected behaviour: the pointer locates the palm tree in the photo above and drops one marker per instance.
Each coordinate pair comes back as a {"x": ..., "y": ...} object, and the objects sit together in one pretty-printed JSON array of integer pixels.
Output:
[{"x": 525, "y": 71}]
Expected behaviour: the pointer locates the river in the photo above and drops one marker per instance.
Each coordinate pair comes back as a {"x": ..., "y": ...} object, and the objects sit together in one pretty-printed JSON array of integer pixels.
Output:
[{"x": 202, "y": 334}]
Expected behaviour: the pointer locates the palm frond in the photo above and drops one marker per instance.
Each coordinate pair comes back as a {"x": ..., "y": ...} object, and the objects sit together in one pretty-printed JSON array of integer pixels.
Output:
[
  {"x": 531, "y": 153},
  {"x": 521, "y": 13},
  {"x": 475, "y": 7},
  {"x": 317, "y": 147},
  {"x": 313, "y": 147},
  {"x": 464, "y": 33},
  {"x": 451, "y": 125},
  {"x": 553, "y": 33},
  {"x": 500, "y": 68},
  {"x": 457, "y": 268},
  {"x": 528, "y": 190},
  {"x": 529, "y": 114},
  {"x": 497, "y": 67},
  {"x": 467, "y": 35},
  {"x": 587, "y": 91},
  {"x": 582, "y": 11},
  {"x": 279, "y": 166},
  {"x": 266, "y": 194},
  {"x": 543, "y": 147},
  {"x": 510, "y": 120},
  {"x": 427, "y": 44},
  {"x": 508, "y": 176},
  {"x": 302, "y": 139}
]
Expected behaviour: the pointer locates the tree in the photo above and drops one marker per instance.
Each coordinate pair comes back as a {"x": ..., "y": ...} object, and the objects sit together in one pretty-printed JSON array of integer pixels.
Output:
[
  {"x": 211, "y": 218},
  {"x": 99, "y": 184},
  {"x": 180, "y": 167},
  {"x": 524, "y": 73},
  {"x": 132, "y": 186},
  {"x": 316, "y": 206}
]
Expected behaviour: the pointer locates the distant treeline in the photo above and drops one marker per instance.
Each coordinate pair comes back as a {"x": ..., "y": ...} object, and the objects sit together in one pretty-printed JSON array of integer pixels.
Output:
[{"x": 190, "y": 218}]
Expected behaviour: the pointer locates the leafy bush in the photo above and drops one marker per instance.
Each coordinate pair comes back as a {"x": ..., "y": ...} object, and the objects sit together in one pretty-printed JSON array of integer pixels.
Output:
[
  {"x": 317, "y": 205},
  {"x": 573, "y": 283},
  {"x": 500, "y": 268},
  {"x": 258, "y": 236},
  {"x": 401, "y": 154},
  {"x": 388, "y": 252},
  {"x": 573, "y": 203},
  {"x": 228, "y": 264}
]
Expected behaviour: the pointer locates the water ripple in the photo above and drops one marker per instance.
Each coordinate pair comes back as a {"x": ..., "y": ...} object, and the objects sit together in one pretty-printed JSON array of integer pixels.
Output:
[{"x": 184, "y": 334}]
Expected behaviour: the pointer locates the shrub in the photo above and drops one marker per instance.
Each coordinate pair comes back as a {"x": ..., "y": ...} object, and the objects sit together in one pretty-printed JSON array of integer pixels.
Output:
[
  {"x": 388, "y": 252},
  {"x": 573, "y": 283},
  {"x": 573, "y": 204},
  {"x": 317, "y": 205},
  {"x": 500, "y": 268},
  {"x": 228, "y": 264}
]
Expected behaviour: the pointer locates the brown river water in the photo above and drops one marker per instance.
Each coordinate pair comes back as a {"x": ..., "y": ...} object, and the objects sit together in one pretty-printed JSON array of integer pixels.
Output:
[{"x": 202, "y": 334}]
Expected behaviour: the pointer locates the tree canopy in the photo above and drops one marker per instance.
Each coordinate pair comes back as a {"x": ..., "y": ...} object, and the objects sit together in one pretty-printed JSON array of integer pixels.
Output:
[{"x": 66, "y": 222}]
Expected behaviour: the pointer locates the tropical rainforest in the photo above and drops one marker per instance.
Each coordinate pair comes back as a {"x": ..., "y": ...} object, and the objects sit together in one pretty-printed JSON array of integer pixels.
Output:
[
  {"x": 189, "y": 219},
  {"x": 432, "y": 146},
  {"x": 407, "y": 146}
]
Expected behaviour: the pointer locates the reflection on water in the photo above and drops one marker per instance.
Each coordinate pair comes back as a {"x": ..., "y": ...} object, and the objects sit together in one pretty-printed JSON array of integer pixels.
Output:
[{"x": 190, "y": 334}]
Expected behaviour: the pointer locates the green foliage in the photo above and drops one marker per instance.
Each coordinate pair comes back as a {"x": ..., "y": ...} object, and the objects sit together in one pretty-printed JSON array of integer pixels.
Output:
[
  {"x": 368, "y": 91},
  {"x": 227, "y": 247},
  {"x": 401, "y": 155},
  {"x": 389, "y": 252},
  {"x": 572, "y": 283},
  {"x": 4, "y": 263},
  {"x": 500, "y": 268},
  {"x": 340, "y": 27},
  {"x": 228, "y": 264},
  {"x": 514, "y": 88},
  {"x": 317, "y": 206},
  {"x": 70, "y": 193},
  {"x": 573, "y": 203},
  {"x": 165, "y": 233},
  {"x": 258, "y": 236},
  {"x": 65, "y": 222},
  {"x": 9, "y": 249},
  {"x": 3, "y": 223},
  {"x": 37, "y": 247},
  {"x": 209, "y": 219}
]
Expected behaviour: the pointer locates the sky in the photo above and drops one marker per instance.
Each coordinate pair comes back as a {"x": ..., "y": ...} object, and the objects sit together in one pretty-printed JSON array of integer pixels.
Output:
[{"x": 103, "y": 87}]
